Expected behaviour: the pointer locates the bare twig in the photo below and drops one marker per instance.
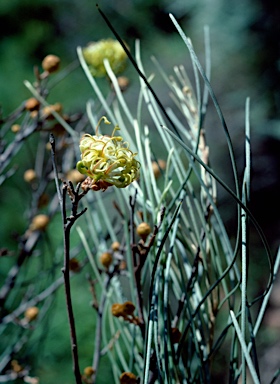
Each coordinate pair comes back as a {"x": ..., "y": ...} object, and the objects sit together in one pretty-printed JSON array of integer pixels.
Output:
[{"x": 68, "y": 222}]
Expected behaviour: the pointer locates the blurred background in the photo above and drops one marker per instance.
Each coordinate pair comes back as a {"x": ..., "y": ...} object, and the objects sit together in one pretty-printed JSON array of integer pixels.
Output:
[{"x": 245, "y": 62}]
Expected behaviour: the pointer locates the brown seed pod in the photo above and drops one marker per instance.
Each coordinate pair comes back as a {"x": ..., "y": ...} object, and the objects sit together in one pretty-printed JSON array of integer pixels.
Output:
[
  {"x": 106, "y": 259},
  {"x": 15, "y": 128},
  {"x": 29, "y": 175},
  {"x": 128, "y": 378},
  {"x": 47, "y": 111},
  {"x": 88, "y": 371},
  {"x": 39, "y": 222},
  {"x": 158, "y": 167},
  {"x": 74, "y": 265},
  {"x": 175, "y": 335},
  {"x": 117, "y": 310},
  {"x": 123, "y": 82},
  {"x": 51, "y": 63},
  {"x": 31, "y": 313},
  {"x": 32, "y": 104},
  {"x": 115, "y": 246},
  {"x": 128, "y": 307},
  {"x": 143, "y": 230}
]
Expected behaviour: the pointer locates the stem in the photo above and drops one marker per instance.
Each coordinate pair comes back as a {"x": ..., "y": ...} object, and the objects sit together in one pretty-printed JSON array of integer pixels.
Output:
[{"x": 67, "y": 225}]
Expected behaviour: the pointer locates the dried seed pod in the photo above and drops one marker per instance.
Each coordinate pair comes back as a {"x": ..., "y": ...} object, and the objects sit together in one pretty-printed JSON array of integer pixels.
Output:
[
  {"x": 31, "y": 313},
  {"x": 32, "y": 104},
  {"x": 88, "y": 371},
  {"x": 115, "y": 246},
  {"x": 143, "y": 230},
  {"x": 39, "y": 222},
  {"x": 128, "y": 378},
  {"x": 128, "y": 308},
  {"x": 47, "y": 111},
  {"x": 157, "y": 167},
  {"x": 51, "y": 63},
  {"x": 106, "y": 259},
  {"x": 74, "y": 265},
  {"x": 29, "y": 175},
  {"x": 16, "y": 367},
  {"x": 123, "y": 83},
  {"x": 117, "y": 310},
  {"x": 15, "y": 128},
  {"x": 175, "y": 335},
  {"x": 43, "y": 200}
]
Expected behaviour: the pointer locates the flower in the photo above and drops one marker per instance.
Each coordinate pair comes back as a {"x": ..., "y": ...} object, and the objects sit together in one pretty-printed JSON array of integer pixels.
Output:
[
  {"x": 107, "y": 160},
  {"x": 109, "y": 49}
]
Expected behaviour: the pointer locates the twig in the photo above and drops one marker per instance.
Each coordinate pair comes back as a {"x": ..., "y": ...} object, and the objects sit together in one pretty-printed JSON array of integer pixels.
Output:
[{"x": 68, "y": 222}]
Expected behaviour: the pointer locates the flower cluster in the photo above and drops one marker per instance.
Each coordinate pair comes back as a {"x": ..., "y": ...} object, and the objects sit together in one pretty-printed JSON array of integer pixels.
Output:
[
  {"x": 107, "y": 161},
  {"x": 109, "y": 49}
]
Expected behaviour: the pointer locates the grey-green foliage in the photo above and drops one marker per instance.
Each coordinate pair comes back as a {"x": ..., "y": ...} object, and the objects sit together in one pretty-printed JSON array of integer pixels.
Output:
[{"x": 192, "y": 276}]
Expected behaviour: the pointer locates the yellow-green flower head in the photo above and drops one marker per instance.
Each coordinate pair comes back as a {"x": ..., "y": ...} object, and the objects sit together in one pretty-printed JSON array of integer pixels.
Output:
[
  {"x": 107, "y": 160},
  {"x": 110, "y": 49}
]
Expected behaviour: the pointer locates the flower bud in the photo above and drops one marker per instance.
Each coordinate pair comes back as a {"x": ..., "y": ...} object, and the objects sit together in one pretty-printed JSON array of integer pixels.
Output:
[
  {"x": 143, "y": 230},
  {"x": 109, "y": 49},
  {"x": 31, "y": 313},
  {"x": 51, "y": 63}
]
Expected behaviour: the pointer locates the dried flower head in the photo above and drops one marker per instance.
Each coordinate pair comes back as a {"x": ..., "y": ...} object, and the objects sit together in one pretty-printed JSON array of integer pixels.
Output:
[
  {"x": 51, "y": 63},
  {"x": 31, "y": 313},
  {"x": 109, "y": 49},
  {"x": 128, "y": 378},
  {"x": 107, "y": 160}
]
